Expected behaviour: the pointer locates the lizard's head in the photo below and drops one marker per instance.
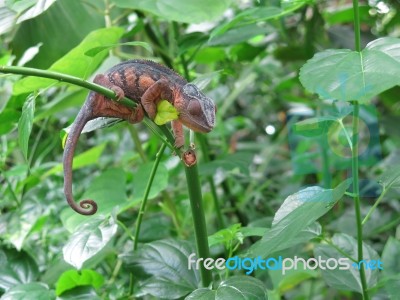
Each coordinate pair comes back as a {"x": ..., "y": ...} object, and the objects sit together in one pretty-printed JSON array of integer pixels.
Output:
[{"x": 196, "y": 110}]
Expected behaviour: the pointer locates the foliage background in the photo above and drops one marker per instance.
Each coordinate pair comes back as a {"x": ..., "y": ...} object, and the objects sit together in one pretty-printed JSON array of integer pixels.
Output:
[{"x": 247, "y": 55}]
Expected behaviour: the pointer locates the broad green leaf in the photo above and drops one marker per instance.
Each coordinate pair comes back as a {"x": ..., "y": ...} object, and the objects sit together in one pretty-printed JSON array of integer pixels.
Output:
[
  {"x": 236, "y": 287},
  {"x": 391, "y": 257},
  {"x": 75, "y": 62},
  {"x": 202, "y": 294},
  {"x": 314, "y": 126},
  {"x": 180, "y": 11},
  {"x": 77, "y": 18},
  {"x": 62, "y": 101},
  {"x": 9, "y": 118},
  {"x": 237, "y": 163},
  {"x": 84, "y": 159},
  {"x": 96, "y": 50},
  {"x": 88, "y": 240},
  {"x": 7, "y": 19},
  {"x": 296, "y": 213},
  {"x": 166, "y": 262},
  {"x": 391, "y": 267},
  {"x": 23, "y": 221},
  {"x": 346, "y": 279},
  {"x": 72, "y": 278},
  {"x": 39, "y": 7},
  {"x": 33, "y": 290},
  {"x": 345, "y": 14},
  {"x": 258, "y": 14},
  {"x": 238, "y": 35},
  {"x": 348, "y": 75},
  {"x": 16, "y": 268},
  {"x": 141, "y": 177},
  {"x": 109, "y": 192},
  {"x": 166, "y": 112},
  {"x": 390, "y": 177},
  {"x": 25, "y": 124},
  {"x": 19, "y": 11}
]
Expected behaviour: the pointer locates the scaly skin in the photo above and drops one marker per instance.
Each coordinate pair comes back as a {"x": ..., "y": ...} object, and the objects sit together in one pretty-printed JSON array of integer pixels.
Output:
[{"x": 146, "y": 83}]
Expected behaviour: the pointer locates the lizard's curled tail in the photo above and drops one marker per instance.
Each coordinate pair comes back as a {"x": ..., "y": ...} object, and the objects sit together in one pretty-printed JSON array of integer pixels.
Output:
[{"x": 86, "y": 207}]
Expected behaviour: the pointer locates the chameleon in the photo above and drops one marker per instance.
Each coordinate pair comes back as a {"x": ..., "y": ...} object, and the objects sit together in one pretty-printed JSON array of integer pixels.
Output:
[{"x": 145, "y": 82}]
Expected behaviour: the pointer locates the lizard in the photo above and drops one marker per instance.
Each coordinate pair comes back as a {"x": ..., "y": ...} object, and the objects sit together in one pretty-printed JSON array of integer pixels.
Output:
[{"x": 145, "y": 82}]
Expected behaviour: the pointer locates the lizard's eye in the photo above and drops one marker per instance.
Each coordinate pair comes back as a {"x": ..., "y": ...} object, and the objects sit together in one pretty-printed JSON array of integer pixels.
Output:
[
  {"x": 194, "y": 108},
  {"x": 190, "y": 90}
]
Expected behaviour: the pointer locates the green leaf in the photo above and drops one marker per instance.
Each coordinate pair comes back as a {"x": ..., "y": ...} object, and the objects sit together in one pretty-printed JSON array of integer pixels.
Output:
[
  {"x": 391, "y": 257},
  {"x": 236, "y": 163},
  {"x": 72, "y": 278},
  {"x": 23, "y": 221},
  {"x": 9, "y": 118},
  {"x": 84, "y": 159},
  {"x": 258, "y": 14},
  {"x": 25, "y": 124},
  {"x": 238, "y": 35},
  {"x": 96, "y": 50},
  {"x": 109, "y": 192},
  {"x": 390, "y": 177},
  {"x": 181, "y": 11},
  {"x": 88, "y": 240},
  {"x": 16, "y": 268},
  {"x": 166, "y": 112},
  {"x": 141, "y": 177},
  {"x": 236, "y": 287},
  {"x": 33, "y": 290},
  {"x": 346, "y": 279},
  {"x": 75, "y": 62},
  {"x": 313, "y": 127},
  {"x": 39, "y": 7},
  {"x": 296, "y": 213},
  {"x": 345, "y": 14},
  {"x": 166, "y": 262},
  {"x": 350, "y": 75}
]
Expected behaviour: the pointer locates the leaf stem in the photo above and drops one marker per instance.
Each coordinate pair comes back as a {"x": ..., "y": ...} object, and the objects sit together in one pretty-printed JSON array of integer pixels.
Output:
[
  {"x": 375, "y": 205},
  {"x": 146, "y": 195}
]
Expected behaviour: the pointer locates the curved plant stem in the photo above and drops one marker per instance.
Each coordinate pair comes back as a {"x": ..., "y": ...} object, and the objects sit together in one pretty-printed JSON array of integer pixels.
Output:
[
  {"x": 146, "y": 195},
  {"x": 354, "y": 156},
  {"x": 69, "y": 79},
  {"x": 199, "y": 220}
]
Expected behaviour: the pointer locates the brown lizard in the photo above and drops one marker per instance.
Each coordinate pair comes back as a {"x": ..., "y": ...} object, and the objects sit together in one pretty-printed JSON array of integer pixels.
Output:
[{"x": 146, "y": 83}]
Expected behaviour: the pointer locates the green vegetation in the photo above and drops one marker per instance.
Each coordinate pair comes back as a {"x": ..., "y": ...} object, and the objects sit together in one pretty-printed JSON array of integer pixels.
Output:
[{"x": 303, "y": 164}]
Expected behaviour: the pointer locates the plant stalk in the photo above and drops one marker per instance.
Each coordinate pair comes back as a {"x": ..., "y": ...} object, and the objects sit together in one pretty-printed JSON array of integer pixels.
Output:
[
  {"x": 146, "y": 195},
  {"x": 354, "y": 158},
  {"x": 356, "y": 192},
  {"x": 199, "y": 220}
]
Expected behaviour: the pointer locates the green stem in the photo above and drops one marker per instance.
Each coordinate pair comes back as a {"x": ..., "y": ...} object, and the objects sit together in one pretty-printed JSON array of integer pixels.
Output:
[
  {"x": 69, "y": 79},
  {"x": 357, "y": 33},
  {"x": 138, "y": 144},
  {"x": 356, "y": 188},
  {"x": 375, "y": 205},
  {"x": 199, "y": 220},
  {"x": 146, "y": 195},
  {"x": 356, "y": 191},
  {"x": 206, "y": 154}
]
